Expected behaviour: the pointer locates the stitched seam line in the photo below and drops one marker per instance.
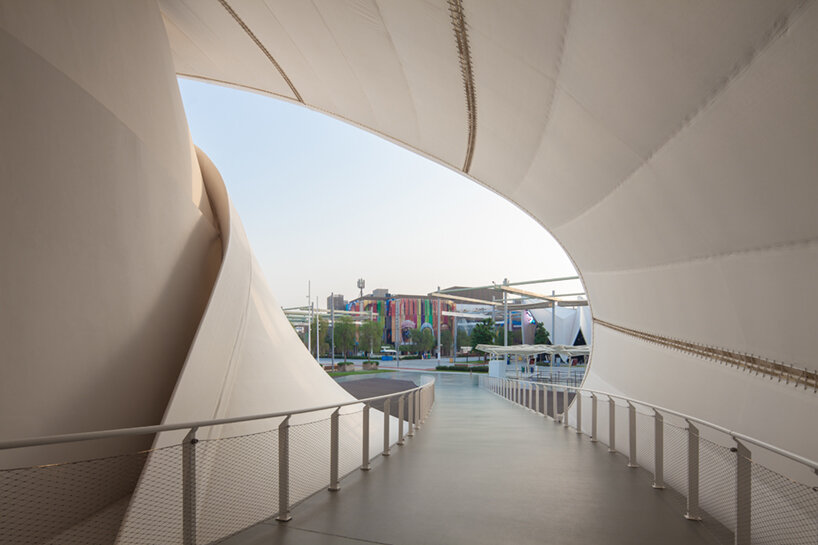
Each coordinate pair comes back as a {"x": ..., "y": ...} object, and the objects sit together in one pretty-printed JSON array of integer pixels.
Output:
[
  {"x": 263, "y": 49},
  {"x": 458, "y": 17},
  {"x": 748, "y": 362}
]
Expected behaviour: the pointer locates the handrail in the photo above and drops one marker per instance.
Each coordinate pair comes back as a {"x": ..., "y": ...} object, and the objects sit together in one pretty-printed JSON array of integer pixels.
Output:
[
  {"x": 146, "y": 430},
  {"x": 735, "y": 435}
]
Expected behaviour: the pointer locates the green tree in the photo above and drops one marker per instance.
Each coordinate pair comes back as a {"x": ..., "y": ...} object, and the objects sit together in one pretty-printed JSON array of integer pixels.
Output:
[
  {"x": 463, "y": 338},
  {"x": 541, "y": 335},
  {"x": 499, "y": 338},
  {"x": 514, "y": 337},
  {"x": 483, "y": 333},
  {"x": 427, "y": 340},
  {"x": 370, "y": 335},
  {"x": 344, "y": 334},
  {"x": 446, "y": 342}
]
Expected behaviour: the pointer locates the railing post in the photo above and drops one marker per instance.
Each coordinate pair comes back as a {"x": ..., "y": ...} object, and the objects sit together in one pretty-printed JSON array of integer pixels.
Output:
[
  {"x": 400, "y": 419},
  {"x": 418, "y": 409},
  {"x": 189, "y": 488},
  {"x": 530, "y": 396},
  {"x": 284, "y": 470},
  {"x": 565, "y": 408},
  {"x": 554, "y": 404},
  {"x": 658, "y": 450},
  {"x": 386, "y": 407},
  {"x": 743, "y": 494},
  {"x": 692, "y": 472},
  {"x": 611, "y": 425},
  {"x": 578, "y": 399},
  {"x": 411, "y": 415},
  {"x": 593, "y": 417},
  {"x": 632, "y": 435},
  {"x": 536, "y": 398},
  {"x": 333, "y": 450},
  {"x": 365, "y": 443}
]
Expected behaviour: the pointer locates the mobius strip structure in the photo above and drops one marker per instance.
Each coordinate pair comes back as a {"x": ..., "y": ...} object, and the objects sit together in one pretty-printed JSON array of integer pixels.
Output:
[{"x": 679, "y": 139}]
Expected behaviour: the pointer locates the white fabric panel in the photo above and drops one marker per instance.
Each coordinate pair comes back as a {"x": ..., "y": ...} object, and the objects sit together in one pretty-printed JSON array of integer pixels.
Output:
[
  {"x": 246, "y": 359},
  {"x": 107, "y": 259},
  {"x": 706, "y": 239},
  {"x": 697, "y": 387},
  {"x": 688, "y": 202},
  {"x": 673, "y": 159},
  {"x": 558, "y": 185},
  {"x": 433, "y": 74},
  {"x": 566, "y": 320},
  {"x": 514, "y": 93},
  {"x": 207, "y": 42},
  {"x": 586, "y": 324},
  {"x": 725, "y": 302},
  {"x": 642, "y": 68}
]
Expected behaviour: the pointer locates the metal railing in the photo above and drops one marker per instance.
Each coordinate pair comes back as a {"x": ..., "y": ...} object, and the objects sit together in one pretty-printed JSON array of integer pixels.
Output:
[
  {"x": 723, "y": 483},
  {"x": 200, "y": 491}
]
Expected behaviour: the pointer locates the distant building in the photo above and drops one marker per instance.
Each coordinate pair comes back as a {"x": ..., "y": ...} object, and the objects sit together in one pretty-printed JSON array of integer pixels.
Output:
[
  {"x": 402, "y": 312},
  {"x": 337, "y": 302}
]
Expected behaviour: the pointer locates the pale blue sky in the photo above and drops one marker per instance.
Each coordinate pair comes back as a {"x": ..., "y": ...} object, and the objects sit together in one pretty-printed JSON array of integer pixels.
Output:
[{"x": 325, "y": 201}]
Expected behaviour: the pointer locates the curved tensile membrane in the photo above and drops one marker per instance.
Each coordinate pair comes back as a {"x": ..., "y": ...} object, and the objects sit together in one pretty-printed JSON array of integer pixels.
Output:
[
  {"x": 668, "y": 149},
  {"x": 680, "y": 139}
]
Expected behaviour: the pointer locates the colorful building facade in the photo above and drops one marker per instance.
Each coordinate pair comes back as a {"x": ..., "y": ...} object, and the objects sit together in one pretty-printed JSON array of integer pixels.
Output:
[{"x": 405, "y": 312}]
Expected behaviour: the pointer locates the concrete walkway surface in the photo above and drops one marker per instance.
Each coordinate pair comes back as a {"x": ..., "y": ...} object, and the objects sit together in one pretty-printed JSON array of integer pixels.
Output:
[{"x": 484, "y": 471}]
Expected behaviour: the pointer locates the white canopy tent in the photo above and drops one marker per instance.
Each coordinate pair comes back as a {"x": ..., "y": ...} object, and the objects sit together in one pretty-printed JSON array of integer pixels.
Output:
[
  {"x": 568, "y": 322},
  {"x": 565, "y": 352}
]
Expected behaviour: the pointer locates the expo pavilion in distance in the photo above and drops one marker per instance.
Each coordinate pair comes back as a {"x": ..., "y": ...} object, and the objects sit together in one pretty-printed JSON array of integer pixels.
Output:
[{"x": 153, "y": 391}]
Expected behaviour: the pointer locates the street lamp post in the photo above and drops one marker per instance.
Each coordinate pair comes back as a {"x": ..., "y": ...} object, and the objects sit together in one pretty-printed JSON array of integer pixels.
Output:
[
  {"x": 332, "y": 326},
  {"x": 505, "y": 314},
  {"x": 309, "y": 318},
  {"x": 439, "y": 317}
]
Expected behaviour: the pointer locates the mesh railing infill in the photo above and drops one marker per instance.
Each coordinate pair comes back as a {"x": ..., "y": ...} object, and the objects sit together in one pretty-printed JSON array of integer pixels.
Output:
[
  {"x": 717, "y": 481},
  {"x": 675, "y": 456},
  {"x": 784, "y": 512},
  {"x": 236, "y": 486},
  {"x": 645, "y": 441},
  {"x": 155, "y": 515},
  {"x": 602, "y": 421},
  {"x": 41, "y": 503},
  {"x": 309, "y": 459},
  {"x": 236, "y": 483},
  {"x": 350, "y": 443}
]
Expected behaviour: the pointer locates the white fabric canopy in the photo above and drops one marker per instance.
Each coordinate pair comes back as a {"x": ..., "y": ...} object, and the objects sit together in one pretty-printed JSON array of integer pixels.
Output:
[
  {"x": 670, "y": 147},
  {"x": 563, "y": 351}
]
